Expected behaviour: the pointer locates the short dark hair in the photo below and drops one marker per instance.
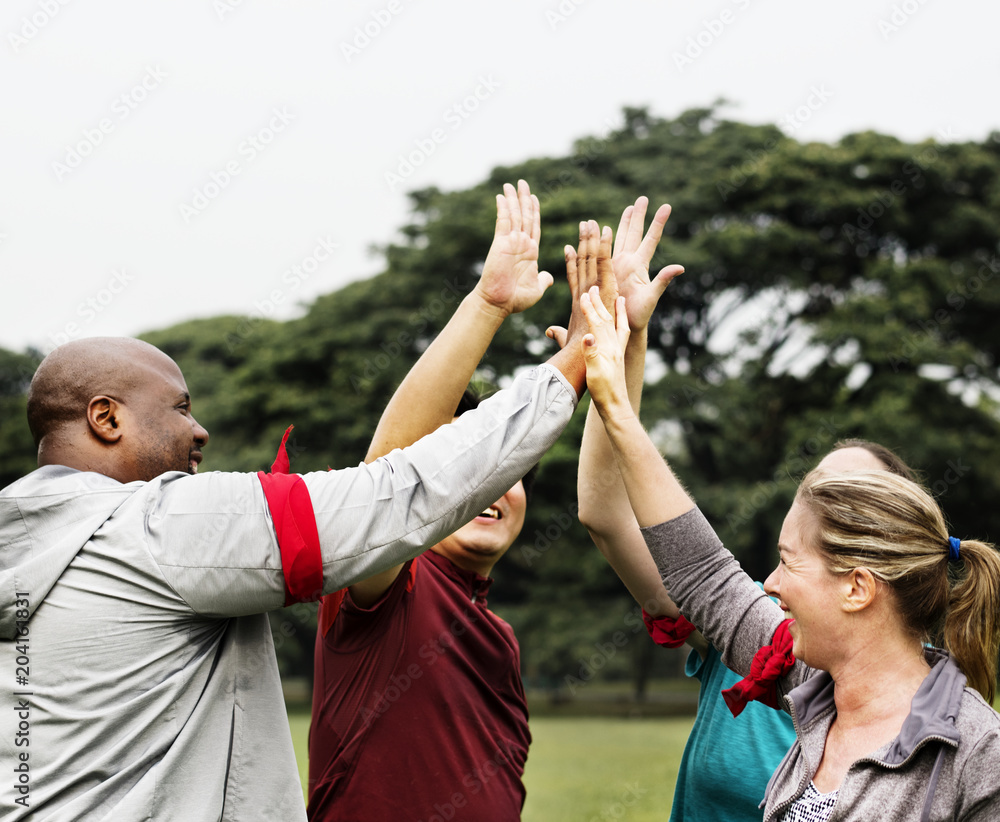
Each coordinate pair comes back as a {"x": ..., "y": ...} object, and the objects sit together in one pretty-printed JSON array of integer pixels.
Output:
[
  {"x": 894, "y": 463},
  {"x": 471, "y": 399}
]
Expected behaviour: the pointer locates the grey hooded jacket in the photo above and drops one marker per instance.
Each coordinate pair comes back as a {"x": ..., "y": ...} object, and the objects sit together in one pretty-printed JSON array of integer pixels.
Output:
[
  {"x": 945, "y": 763},
  {"x": 139, "y": 675}
]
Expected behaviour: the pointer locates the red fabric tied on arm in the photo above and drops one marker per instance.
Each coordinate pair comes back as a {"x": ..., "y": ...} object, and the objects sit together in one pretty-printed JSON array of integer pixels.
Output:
[
  {"x": 668, "y": 631},
  {"x": 295, "y": 528},
  {"x": 769, "y": 664}
]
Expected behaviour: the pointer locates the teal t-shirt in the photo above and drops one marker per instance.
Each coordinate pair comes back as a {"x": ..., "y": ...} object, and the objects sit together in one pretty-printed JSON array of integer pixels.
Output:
[{"x": 728, "y": 760}]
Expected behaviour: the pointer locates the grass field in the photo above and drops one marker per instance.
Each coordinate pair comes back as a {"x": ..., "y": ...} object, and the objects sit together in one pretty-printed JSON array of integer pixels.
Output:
[{"x": 588, "y": 769}]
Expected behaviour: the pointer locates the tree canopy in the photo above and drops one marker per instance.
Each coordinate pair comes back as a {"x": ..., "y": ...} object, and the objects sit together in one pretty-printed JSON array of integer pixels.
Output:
[{"x": 831, "y": 291}]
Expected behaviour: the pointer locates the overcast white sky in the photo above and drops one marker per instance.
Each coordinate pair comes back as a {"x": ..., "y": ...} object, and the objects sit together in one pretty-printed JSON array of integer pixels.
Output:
[{"x": 116, "y": 115}]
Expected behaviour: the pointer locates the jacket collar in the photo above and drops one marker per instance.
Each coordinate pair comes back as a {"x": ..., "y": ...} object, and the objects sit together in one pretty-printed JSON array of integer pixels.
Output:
[{"x": 933, "y": 711}]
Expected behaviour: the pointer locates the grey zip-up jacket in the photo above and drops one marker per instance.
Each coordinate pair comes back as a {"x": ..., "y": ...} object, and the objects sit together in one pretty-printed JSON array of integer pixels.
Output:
[
  {"x": 137, "y": 666},
  {"x": 945, "y": 763}
]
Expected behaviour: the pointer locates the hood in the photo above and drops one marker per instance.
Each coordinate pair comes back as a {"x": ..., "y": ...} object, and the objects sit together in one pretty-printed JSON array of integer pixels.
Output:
[{"x": 45, "y": 518}]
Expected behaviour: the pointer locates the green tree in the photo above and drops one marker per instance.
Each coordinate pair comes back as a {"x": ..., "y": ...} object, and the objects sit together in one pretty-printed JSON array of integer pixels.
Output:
[{"x": 831, "y": 290}]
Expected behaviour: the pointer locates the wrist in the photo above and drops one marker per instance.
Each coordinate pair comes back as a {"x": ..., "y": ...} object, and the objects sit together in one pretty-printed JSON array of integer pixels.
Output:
[
  {"x": 490, "y": 311},
  {"x": 569, "y": 362},
  {"x": 637, "y": 343},
  {"x": 617, "y": 414}
]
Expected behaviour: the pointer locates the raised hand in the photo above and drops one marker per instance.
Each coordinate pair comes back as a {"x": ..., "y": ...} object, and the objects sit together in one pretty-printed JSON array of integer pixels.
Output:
[
  {"x": 511, "y": 281},
  {"x": 604, "y": 354},
  {"x": 631, "y": 258},
  {"x": 587, "y": 266}
]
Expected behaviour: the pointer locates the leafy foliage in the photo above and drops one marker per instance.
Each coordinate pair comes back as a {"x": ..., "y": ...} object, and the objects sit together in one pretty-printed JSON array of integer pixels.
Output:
[{"x": 831, "y": 291}]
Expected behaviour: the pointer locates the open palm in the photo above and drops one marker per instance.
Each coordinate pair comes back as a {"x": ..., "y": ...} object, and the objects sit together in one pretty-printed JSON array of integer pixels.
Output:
[
  {"x": 511, "y": 281},
  {"x": 632, "y": 255}
]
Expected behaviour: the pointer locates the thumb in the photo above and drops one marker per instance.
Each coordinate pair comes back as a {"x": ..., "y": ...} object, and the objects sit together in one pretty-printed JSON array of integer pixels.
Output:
[
  {"x": 665, "y": 277},
  {"x": 557, "y": 333}
]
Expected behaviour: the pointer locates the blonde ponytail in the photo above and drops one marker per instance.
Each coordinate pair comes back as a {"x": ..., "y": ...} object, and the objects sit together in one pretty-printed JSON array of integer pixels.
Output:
[{"x": 971, "y": 632}]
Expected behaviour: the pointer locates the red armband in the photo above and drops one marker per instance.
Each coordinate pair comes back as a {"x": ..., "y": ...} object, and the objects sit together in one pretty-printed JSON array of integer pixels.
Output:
[
  {"x": 295, "y": 528},
  {"x": 769, "y": 664},
  {"x": 668, "y": 631}
]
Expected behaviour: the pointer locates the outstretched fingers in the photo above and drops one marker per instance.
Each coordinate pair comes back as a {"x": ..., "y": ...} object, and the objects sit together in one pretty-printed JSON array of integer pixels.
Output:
[
  {"x": 622, "y": 231},
  {"x": 607, "y": 284},
  {"x": 648, "y": 246},
  {"x": 513, "y": 206},
  {"x": 503, "y": 216},
  {"x": 635, "y": 226},
  {"x": 572, "y": 274},
  {"x": 526, "y": 205},
  {"x": 586, "y": 255},
  {"x": 602, "y": 324}
]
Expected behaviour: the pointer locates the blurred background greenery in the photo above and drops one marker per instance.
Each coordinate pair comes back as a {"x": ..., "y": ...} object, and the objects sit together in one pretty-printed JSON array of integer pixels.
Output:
[{"x": 832, "y": 290}]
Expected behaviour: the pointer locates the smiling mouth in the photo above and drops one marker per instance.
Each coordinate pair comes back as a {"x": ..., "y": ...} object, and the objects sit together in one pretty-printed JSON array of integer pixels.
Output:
[
  {"x": 194, "y": 459},
  {"x": 492, "y": 513}
]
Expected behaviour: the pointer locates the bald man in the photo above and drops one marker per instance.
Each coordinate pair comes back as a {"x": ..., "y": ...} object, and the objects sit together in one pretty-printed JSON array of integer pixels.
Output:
[{"x": 134, "y": 591}]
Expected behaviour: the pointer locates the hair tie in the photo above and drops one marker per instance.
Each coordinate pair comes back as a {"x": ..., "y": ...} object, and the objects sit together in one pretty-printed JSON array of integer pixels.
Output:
[{"x": 954, "y": 543}]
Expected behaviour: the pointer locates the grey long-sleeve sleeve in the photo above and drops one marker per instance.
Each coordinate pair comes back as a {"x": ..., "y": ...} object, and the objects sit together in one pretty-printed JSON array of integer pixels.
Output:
[
  {"x": 714, "y": 592},
  {"x": 212, "y": 537}
]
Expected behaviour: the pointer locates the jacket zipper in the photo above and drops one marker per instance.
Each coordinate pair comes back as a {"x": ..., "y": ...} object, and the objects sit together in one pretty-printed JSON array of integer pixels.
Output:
[{"x": 780, "y": 809}]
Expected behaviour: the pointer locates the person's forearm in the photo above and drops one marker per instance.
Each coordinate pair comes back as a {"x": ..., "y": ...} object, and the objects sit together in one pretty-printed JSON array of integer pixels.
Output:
[
  {"x": 605, "y": 509},
  {"x": 373, "y": 517},
  {"x": 568, "y": 361},
  {"x": 604, "y": 505},
  {"x": 713, "y": 591},
  {"x": 655, "y": 494},
  {"x": 430, "y": 392}
]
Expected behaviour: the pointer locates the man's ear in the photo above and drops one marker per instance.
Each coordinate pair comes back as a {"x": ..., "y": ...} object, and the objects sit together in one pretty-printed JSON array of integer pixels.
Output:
[
  {"x": 860, "y": 588},
  {"x": 103, "y": 418}
]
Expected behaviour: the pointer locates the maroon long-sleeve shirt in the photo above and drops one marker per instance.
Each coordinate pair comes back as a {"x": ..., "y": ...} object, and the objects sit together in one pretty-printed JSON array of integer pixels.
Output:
[{"x": 418, "y": 708}]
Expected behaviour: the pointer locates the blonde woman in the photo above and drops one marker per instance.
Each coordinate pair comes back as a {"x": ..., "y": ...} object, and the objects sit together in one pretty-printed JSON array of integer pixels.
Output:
[{"x": 887, "y": 727}]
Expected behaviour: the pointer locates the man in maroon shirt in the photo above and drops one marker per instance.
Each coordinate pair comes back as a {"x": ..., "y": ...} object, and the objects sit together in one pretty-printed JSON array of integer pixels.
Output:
[
  {"x": 419, "y": 712},
  {"x": 418, "y": 708}
]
